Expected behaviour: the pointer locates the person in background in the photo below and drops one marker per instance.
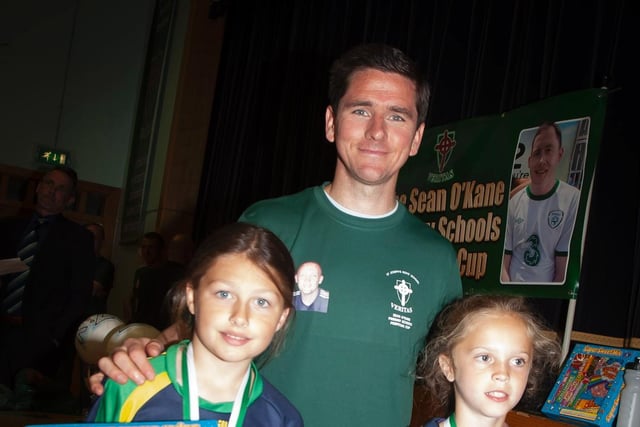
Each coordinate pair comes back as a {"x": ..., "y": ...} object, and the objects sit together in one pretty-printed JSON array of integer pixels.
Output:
[
  {"x": 541, "y": 216},
  {"x": 388, "y": 273},
  {"x": 179, "y": 250},
  {"x": 104, "y": 274},
  {"x": 42, "y": 306},
  {"x": 152, "y": 283},
  {"x": 238, "y": 305},
  {"x": 483, "y": 353},
  {"x": 151, "y": 252}
]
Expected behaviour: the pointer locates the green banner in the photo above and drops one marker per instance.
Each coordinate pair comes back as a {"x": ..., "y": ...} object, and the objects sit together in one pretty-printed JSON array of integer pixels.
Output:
[{"x": 461, "y": 182}]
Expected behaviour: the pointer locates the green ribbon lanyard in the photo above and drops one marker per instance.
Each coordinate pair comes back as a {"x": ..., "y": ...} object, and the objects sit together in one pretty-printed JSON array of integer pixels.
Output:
[
  {"x": 190, "y": 406},
  {"x": 452, "y": 420}
]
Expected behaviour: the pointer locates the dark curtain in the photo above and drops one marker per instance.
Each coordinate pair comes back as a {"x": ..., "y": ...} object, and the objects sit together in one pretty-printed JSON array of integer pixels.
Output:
[{"x": 266, "y": 135}]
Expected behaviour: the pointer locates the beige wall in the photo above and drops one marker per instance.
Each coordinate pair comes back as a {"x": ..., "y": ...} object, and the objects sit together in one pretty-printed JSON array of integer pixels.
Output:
[{"x": 182, "y": 138}]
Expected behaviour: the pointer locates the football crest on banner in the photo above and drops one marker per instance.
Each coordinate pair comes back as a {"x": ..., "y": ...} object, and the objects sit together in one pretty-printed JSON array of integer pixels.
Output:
[
  {"x": 445, "y": 143},
  {"x": 404, "y": 285}
]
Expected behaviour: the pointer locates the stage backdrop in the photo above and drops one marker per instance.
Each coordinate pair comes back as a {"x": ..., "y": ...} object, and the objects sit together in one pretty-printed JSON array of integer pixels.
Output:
[{"x": 460, "y": 180}]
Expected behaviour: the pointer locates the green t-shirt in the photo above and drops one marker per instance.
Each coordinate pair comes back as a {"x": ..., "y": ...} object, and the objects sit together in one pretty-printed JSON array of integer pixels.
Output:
[{"x": 385, "y": 280}]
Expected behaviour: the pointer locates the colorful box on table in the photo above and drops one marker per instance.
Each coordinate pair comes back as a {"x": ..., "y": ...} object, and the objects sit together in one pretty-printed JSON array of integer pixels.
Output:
[{"x": 587, "y": 391}]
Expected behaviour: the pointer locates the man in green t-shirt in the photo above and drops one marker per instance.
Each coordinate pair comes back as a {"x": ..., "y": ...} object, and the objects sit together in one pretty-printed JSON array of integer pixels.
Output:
[{"x": 388, "y": 273}]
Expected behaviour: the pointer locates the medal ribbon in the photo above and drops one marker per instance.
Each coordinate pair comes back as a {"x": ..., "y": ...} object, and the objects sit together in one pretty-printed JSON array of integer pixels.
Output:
[{"x": 190, "y": 406}]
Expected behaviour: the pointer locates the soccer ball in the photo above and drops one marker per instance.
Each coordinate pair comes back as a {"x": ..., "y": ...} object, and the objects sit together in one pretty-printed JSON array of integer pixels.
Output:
[
  {"x": 117, "y": 336},
  {"x": 91, "y": 334}
]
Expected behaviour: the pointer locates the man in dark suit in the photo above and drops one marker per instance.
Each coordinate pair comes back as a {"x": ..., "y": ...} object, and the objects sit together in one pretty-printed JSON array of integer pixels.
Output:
[{"x": 38, "y": 320}]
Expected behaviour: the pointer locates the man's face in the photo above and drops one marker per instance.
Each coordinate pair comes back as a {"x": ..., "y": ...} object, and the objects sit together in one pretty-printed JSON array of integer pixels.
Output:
[
  {"x": 546, "y": 154},
  {"x": 375, "y": 128},
  {"x": 54, "y": 193},
  {"x": 150, "y": 251},
  {"x": 308, "y": 278}
]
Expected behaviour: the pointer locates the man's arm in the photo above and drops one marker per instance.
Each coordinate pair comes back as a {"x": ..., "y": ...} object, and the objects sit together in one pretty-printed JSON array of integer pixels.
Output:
[
  {"x": 130, "y": 361},
  {"x": 506, "y": 263},
  {"x": 560, "y": 268}
]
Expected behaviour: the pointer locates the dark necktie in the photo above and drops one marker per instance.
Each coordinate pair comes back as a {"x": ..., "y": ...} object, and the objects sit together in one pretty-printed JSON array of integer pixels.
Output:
[{"x": 12, "y": 295}]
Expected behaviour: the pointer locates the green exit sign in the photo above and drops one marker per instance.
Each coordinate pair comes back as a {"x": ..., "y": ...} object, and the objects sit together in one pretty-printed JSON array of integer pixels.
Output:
[{"x": 52, "y": 156}]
